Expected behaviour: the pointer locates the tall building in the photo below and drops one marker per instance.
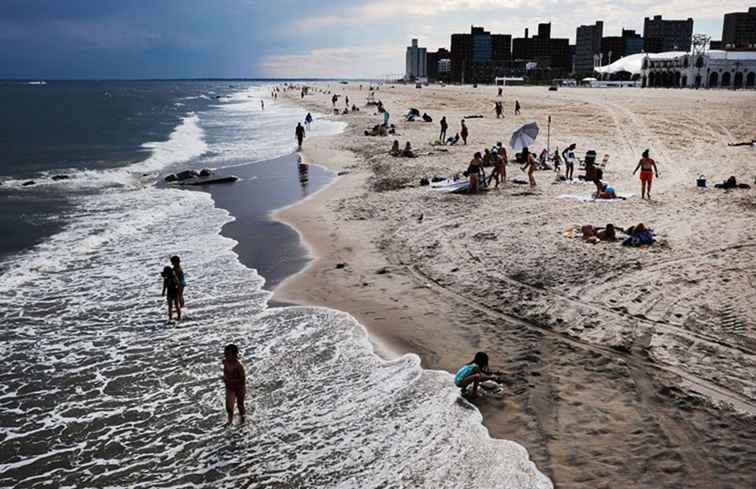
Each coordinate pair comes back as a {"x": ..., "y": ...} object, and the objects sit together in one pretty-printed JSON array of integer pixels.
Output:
[
  {"x": 616, "y": 47},
  {"x": 739, "y": 30},
  {"x": 435, "y": 60},
  {"x": 588, "y": 47},
  {"x": 416, "y": 66},
  {"x": 479, "y": 56},
  {"x": 667, "y": 35},
  {"x": 549, "y": 54}
]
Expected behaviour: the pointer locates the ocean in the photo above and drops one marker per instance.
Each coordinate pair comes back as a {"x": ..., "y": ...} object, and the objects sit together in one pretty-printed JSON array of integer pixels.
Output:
[{"x": 98, "y": 389}]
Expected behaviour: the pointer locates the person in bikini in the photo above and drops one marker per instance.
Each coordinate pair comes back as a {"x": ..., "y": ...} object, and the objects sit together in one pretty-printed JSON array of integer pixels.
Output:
[
  {"x": 648, "y": 169},
  {"x": 235, "y": 379},
  {"x": 530, "y": 164},
  {"x": 473, "y": 172},
  {"x": 474, "y": 373}
]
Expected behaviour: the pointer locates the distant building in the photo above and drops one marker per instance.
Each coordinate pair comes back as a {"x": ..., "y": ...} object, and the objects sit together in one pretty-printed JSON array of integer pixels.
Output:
[
  {"x": 588, "y": 48},
  {"x": 712, "y": 69},
  {"x": 739, "y": 31},
  {"x": 666, "y": 35},
  {"x": 616, "y": 47},
  {"x": 435, "y": 60},
  {"x": 416, "y": 62},
  {"x": 480, "y": 56},
  {"x": 551, "y": 56}
]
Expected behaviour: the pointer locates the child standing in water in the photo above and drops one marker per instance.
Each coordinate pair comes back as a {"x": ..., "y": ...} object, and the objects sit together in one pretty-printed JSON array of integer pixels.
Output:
[
  {"x": 473, "y": 373},
  {"x": 235, "y": 379},
  {"x": 171, "y": 291}
]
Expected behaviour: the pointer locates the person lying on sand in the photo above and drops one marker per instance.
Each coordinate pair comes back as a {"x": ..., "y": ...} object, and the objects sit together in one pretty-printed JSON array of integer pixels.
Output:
[
  {"x": 639, "y": 235},
  {"x": 395, "y": 151},
  {"x": 473, "y": 373},
  {"x": 752, "y": 143},
  {"x": 593, "y": 234}
]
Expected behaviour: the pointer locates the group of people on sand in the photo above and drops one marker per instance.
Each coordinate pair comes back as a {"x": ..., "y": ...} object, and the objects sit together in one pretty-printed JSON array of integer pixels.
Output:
[
  {"x": 463, "y": 133},
  {"x": 495, "y": 157},
  {"x": 174, "y": 282},
  {"x": 407, "y": 152}
]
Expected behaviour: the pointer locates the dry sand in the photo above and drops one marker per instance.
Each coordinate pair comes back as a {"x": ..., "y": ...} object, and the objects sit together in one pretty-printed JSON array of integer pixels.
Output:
[{"x": 627, "y": 367}]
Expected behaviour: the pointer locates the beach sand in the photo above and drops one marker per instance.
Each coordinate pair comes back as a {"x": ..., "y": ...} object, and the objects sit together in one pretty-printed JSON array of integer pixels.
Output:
[{"x": 626, "y": 367}]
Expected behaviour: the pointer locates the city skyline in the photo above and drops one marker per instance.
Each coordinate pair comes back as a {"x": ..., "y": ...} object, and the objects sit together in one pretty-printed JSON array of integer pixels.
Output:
[{"x": 288, "y": 39}]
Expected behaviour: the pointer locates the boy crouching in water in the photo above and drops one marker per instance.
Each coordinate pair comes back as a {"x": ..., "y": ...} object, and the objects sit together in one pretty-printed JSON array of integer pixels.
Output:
[{"x": 236, "y": 382}]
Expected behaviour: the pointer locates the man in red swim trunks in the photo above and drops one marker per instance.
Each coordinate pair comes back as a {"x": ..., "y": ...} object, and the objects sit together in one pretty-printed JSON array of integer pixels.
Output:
[{"x": 648, "y": 168}]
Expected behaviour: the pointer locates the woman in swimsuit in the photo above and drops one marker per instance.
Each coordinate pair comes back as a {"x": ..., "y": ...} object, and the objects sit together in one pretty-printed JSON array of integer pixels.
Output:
[
  {"x": 473, "y": 172},
  {"x": 530, "y": 164},
  {"x": 648, "y": 168}
]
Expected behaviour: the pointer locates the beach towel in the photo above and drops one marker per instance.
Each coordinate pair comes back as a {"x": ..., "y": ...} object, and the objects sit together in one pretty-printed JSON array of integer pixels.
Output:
[{"x": 590, "y": 198}]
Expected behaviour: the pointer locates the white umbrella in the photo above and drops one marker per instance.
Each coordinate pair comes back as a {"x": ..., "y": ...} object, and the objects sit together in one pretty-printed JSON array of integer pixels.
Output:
[{"x": 524, "y": 136}]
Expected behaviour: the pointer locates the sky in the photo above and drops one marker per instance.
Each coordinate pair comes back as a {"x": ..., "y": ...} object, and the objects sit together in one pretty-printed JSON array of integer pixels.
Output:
[{"x": 124, "y": 39}]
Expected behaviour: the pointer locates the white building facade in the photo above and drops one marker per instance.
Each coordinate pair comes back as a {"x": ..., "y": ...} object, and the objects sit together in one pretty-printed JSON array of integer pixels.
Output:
[
  {"x": 416, "y": 62},
  {"x": 677, "y": 69}
]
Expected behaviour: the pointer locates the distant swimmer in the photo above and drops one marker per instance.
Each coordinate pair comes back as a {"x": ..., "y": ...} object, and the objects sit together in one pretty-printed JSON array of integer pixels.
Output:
[
  {"x": 171, "y": 292},
  {"x": 648, "y": 169},
  {"x": 235, "y": 380},
  {"x": 299, "y": 133},
  {"x": 474, "y": 373}
]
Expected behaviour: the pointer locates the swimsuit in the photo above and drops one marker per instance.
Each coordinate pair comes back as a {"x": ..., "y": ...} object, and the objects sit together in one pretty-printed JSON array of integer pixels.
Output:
[
  {"x": 463, "y": 373},
  {"x": 646, "y": 175}
]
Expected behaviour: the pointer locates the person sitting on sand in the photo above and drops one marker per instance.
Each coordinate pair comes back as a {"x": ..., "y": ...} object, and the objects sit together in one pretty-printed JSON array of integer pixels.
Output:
[
  {"x": 408, "y": 153},
  {"x": 473, "y": 373},
  {"x": 606, "y": 192},
  {"x": 473, "y": 172},
  {"x": 355, "y": 108},
  {"x": 453, "y": 141},
  {"x": 463, "y": 132},
  {"x": 530, "y": 163},
  {"x": 648, "y": 168},
  {"x": 235, "y": 380},
  {"x": 594, "y": 234},
  {"x": 427, "y": 118},
  {"x": 395, "y": 151}
]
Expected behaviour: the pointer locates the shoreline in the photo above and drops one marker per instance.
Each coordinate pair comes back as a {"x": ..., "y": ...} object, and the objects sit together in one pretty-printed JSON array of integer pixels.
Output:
[{"x": 587, "y": 398}]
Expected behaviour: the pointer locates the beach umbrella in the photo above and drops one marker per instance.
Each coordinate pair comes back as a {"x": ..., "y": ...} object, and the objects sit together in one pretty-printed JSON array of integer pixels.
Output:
[{"x": 524, "y": 136}]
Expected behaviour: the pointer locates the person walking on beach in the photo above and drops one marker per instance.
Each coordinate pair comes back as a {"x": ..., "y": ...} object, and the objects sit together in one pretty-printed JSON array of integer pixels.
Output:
[
  {"x": 235, "y": 380},
  {"x": 334, "y": 99},
  {"x": 386, "y": 116},
  {"x": 262, "y": 104},
  {"x": 308, "y": 120},
  {"x": 500, "y": 91},
  {"x": 180, "y": 277},
  {"x": 299, "y": 133},
  {"x": 346, "y": 100},
  {"x": 648, "y": 168},
  {"x": 498, "y": 108},
  {"x": 171, "y": 291},
  {"x": 444, "y": 127},
  {"x": 517, "y": 107},
  {"x": 473, "y": 373},
  {"x": 530, "y": 164},
  {"x": 464, "y": 132}
]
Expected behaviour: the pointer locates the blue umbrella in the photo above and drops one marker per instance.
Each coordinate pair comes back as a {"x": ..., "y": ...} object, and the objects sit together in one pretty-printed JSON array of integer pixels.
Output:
[{"x": 524, "y": 136}]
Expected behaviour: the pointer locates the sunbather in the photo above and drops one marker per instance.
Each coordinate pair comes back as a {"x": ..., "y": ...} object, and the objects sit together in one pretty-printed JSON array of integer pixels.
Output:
[
  {"x": 395, "y": 151},
  {"x": 594, "y": 235},
  {"x": 453, "y": 141},
  {"x": 606, "y": 192}
]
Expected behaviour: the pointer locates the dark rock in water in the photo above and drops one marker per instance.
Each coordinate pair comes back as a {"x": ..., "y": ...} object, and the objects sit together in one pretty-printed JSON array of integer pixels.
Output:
[
  {"x": 28, "y": 182},
  {"x": 60, "y": 177},
  {"x": 341, "y": 265},
  {"x": 171, "y": 178}
]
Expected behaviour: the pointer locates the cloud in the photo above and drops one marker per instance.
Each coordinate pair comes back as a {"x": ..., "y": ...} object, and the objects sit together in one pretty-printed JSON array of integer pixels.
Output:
[{"x": 347, "y": 62}]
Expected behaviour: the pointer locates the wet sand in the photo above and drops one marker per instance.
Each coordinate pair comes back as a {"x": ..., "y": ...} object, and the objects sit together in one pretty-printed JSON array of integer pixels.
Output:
[{"x": 627, "y": 367}]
